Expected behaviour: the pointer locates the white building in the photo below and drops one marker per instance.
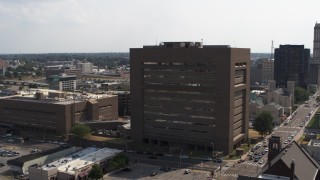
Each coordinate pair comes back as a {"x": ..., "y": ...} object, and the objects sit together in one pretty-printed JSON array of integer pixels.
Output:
[{"x": 75, "y": 166}]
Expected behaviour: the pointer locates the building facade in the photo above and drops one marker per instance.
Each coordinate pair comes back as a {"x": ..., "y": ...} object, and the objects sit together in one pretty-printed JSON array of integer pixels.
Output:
[
  {"x": 291, "y": 64},
  {"x": 189, "y": 96},
  {"x": 63, "y": 83},
  {"x": 315, "y": 61},
  {"x": 54, "y": 114},
  {"x": 3, "y": 67},
  {"x": 267, "y": 70}
]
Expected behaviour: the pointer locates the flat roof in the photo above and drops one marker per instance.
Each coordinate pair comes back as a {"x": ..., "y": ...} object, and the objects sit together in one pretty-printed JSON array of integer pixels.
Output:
[
  {"x": 81, "y": 159},
  {"x": 21, "y": 160},
  {"x": 71, "y": 97}
]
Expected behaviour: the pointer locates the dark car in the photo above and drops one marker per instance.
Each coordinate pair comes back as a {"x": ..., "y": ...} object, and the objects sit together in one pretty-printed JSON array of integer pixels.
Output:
[
  {"x": 127, "y": 169},
  {"x": 153, "y": 157},
  {"x": 251, "y": 158},
  {"x": 219, "y": 160}
]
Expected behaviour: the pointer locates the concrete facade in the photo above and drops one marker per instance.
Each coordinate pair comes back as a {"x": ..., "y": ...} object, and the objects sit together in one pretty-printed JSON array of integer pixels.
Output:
[
  {"x": 188, "y": 96},
  {"x": 56, "y": 115}
]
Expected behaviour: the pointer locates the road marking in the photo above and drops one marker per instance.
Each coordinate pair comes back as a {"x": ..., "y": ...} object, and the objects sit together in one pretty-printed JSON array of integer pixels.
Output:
[{"x": 227, "y": 174}]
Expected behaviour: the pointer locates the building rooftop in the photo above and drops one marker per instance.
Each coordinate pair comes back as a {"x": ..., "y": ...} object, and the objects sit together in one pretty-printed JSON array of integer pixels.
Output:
[
  {"x": 81, "y": 159},
  {"x": 305, "y": 167},
  {"x": 21, "y": 160},
  {"x": 70, "y": 97}
]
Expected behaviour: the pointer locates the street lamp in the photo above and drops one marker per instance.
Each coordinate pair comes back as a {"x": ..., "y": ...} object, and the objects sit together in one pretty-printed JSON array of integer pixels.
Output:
[
  {"x": 180, "y": 157},
  {"x": 212, "y": 150}
]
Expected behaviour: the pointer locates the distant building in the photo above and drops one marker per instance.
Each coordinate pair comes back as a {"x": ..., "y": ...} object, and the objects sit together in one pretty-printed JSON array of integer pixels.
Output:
[
  {"x": 189, "y": 96},
  {"x": 315, "y": 61},
  {"x": 262, "y": 71},
  {"x": 267, "y": 70},
  {"x": 54, "y": 111},
  {"x": 86, "y": 68},
  {"x": 63, "y": 82},
  {"x": 255, "y": 74},
  {"x": 60, "y": 69},
  {"x": 291, "y": 63},
  {"x": 3, "y": 67}
]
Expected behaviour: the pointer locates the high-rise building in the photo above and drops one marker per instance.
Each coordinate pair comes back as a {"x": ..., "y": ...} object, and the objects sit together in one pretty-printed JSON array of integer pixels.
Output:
[
  {"x": 291, "y": 64},
  {"x": 315, "y": 61},
  {"x": 189, "y": 96}
]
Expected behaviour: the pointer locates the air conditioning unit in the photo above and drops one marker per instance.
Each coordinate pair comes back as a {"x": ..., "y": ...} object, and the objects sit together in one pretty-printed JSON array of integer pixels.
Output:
[{"x": 198, "y": 45}]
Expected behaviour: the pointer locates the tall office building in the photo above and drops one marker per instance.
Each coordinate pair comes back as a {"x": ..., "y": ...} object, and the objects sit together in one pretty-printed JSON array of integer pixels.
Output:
[
  {"x": 315, "y": 61},
  {"x": 189, "y": 96},
  {"x": 291, "y": 63}
]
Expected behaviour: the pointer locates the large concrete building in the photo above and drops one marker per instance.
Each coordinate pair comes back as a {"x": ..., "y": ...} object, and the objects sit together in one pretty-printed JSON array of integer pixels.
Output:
[
  {"x": 56, "y": 112},
  {"x": 291, "y": 64},
  {"x": 189, "y": 96}
]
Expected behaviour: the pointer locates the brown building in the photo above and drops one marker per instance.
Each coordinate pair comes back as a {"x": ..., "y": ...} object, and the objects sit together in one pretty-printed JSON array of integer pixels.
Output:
[
  {"x": 188, "y": 96},
  {"x": 53, "y": 113},
  {"x": 57, "y": 70}
]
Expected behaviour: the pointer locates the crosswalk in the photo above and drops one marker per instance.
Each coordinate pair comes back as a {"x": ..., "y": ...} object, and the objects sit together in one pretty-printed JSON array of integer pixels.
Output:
[
  {"x": 232, "y": 175},
  {"x": 252, "y": 164}
]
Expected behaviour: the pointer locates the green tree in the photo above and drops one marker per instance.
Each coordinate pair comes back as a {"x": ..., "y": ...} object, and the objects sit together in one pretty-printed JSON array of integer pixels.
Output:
[
  {"x": 263, "y": 123},
  {"x": 300, "y": 94},
  {"x": 80, "y": 130},
  {"x": 318, "y": 99},
  {"x": 119, "y": 161},
  {"x": 95, "y": 172}
]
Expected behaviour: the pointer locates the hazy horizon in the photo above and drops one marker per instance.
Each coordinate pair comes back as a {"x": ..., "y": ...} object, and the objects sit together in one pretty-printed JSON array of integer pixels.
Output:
[{"x": 82, "y": 26}]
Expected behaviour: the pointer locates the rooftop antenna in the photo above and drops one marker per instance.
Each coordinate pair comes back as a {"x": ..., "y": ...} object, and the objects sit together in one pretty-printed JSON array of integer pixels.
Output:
[{"x": 271, "y": 50}]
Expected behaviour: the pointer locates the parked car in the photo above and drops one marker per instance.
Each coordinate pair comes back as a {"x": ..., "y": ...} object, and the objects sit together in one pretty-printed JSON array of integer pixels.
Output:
[
  {"x": 184, "y": 156},
  {"x": 187, "y": 171},
  {"x": 154, "y": 173}
]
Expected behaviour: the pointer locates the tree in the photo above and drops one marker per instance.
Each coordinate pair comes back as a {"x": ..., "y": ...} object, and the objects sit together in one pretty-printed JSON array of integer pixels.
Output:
[
  {"x": 318, "y": 99},
  {"x": 119, "y": 161},
  {"x": 95, "y": 172},
  {"x": 80, "y": 130},
  {"x": 263, "y": 123},
  {"x": 300, "y": 94}
]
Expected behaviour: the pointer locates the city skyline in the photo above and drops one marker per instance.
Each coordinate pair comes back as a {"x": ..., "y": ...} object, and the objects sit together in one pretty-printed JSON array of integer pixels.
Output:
[{"x": 60, "y": 26}]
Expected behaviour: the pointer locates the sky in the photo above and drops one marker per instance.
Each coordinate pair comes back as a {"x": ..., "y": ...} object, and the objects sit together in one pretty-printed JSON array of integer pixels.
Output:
[{"x": 59, "y": 26}]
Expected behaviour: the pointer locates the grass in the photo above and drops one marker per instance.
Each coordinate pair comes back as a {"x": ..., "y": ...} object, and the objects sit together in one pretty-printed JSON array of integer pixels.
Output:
[
  {"x": 233, "y": 156},
  {"x": 253, "y": 134},
  {"x": 314, "y": 122}
]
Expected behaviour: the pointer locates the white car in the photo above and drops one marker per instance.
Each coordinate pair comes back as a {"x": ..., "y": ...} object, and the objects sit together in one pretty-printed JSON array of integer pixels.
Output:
[
  {"x": 184, "y": 156},
  {"x": 260, "y": 162},
  {"x": 187, "y": 171},
  {"x": 266, "y": 150},
  {"x": 286, "y": 142}
]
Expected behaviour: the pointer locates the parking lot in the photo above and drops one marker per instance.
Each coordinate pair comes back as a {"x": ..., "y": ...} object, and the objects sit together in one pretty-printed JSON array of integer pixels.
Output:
[
  {"x": 143, "y": 171},
  {"x": 14, "y": 148}
]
